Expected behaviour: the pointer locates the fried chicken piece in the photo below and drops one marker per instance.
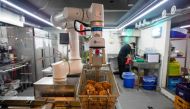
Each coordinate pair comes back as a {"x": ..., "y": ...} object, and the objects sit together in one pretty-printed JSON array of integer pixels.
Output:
[
  {"x": 96, "y": 93},
  {"x": 103, "y": 92},
  {"x": 90, "y": 89},
  {"x": 106, "y": 85},
  {"x": 91, "y": 82},
  {"x": 99, "y": 87}
]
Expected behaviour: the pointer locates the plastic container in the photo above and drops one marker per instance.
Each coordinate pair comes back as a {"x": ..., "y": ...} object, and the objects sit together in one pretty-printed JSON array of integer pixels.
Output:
[
  {"x": 172, "y": 83},
  {"x": 183, "y": 91},
  {"x": 176, "y": 34},
  {"x": 174, "y": 69},
  {"x": 149, "y": 82},
  {"x": 179, "y": 103},
  {"x": 128, "y": 79}
]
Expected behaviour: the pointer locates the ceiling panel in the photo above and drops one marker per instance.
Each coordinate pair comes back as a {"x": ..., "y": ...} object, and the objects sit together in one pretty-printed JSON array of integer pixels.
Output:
[{"x": 119, "y": 7}]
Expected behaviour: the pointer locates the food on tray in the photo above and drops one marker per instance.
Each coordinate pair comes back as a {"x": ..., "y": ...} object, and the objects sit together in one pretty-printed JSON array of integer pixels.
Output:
[
  {"x": 99, "y": 101},
  {"x": 90, "y": 89},
  {"x": 103, "y": 92},
  {"x": 97, "y": 88},
  {"x": 91, "y": 82}
]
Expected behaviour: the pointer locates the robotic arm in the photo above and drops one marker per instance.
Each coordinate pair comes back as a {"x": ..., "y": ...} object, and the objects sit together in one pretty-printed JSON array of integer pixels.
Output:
[{"x": 69, "y": 18}]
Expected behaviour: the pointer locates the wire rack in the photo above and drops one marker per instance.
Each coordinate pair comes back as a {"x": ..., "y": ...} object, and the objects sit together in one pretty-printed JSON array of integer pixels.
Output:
[{"x": 100, "y": 74}]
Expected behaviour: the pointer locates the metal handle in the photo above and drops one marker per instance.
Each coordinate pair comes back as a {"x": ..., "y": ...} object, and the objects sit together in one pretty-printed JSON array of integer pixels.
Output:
[
  {"x": 43, "y": 63},
  {"x": 42, "y": 52}
]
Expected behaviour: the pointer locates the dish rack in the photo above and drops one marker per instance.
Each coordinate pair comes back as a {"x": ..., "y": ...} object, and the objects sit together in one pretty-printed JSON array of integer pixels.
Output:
[{"x": 101, "y": 74}]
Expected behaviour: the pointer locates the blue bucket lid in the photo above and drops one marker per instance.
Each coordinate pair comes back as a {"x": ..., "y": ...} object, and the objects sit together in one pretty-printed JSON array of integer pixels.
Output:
[
  {"x": 128, "y": 74},
  {"x": 149, "y": 78}
]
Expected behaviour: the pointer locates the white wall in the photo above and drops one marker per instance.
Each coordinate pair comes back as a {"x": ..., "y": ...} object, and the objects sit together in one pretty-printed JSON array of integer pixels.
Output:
[
  {"x": 188, "y": 55},
  {"x": 112, "y": 41},
  {"x": 161, "y": 45}
]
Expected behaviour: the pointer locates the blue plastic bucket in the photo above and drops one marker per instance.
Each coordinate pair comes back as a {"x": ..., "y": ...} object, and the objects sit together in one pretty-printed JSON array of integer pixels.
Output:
[
  {"x": 172, "y": 83},
  {"x": 149, "y": 82},
  {"x": 128, "y": 79}
]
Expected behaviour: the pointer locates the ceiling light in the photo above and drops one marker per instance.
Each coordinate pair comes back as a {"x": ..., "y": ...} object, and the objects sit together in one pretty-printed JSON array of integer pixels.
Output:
[
  {"x": 137, "y": 14},
  {"x": 26, "y": 12},
  {"x": 59, "y": 28},
  {"x": 130, "y": 5},
  {"x": 144, "y": 13},
  {"x": 185, "y": 26}
]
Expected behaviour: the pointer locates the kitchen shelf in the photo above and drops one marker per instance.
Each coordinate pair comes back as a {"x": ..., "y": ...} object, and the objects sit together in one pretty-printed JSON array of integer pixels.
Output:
[
  {"x": 173, "y": 39},
  {"x": 180, "y": 57}
]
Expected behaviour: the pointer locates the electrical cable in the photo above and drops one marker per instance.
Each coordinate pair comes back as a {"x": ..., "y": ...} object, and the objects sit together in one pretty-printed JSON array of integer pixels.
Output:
[{"x": 84, "y": 24}]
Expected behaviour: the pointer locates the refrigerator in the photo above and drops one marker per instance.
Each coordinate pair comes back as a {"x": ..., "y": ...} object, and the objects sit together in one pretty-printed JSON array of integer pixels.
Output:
[{"x": 45, "y": 45}]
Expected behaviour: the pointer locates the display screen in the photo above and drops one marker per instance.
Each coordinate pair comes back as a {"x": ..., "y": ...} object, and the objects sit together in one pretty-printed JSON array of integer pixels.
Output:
[{"x": 64, "y": 38}]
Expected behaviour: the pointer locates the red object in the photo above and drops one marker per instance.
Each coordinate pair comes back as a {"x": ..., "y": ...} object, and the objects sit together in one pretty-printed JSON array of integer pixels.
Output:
[
  {"x": 97, "y": 51},
  {"x": 128, "y": 61},
  {"x": 82, "y": 28}
]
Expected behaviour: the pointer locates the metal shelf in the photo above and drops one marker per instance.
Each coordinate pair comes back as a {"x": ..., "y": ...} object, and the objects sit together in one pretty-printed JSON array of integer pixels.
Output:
[
  {"x": 173, "y": 39},
  {"x": 180, "y": 57}
]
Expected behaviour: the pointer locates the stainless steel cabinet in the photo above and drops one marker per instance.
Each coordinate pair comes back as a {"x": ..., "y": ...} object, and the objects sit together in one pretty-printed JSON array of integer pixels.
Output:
[
  {"x": 39, "y": 67},
  {"x": 44, "y": 50}
]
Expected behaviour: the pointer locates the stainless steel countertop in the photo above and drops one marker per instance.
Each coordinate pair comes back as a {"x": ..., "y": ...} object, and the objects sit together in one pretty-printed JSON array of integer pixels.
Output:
[
  {"x": 148, "y": 65},
  {"x": 49, "y": 81}
]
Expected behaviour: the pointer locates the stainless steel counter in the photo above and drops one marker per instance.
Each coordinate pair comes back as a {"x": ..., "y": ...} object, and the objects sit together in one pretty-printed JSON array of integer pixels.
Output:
[
  {"x": 46, "y": 87},
  {"x": 146, "y": 65}
]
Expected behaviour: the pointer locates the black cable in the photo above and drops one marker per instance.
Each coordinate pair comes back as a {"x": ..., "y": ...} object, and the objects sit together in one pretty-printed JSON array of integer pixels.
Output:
[{"x": 84, "y": 24}]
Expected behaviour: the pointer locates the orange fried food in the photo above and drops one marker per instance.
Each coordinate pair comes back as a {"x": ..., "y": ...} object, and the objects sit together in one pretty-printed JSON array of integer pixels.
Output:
[
  {"x": 90, "y": 88},
  {"x": 91, "y": 82},
  {"x": 103, "y": 92},
  {"x": 96, "y": 93},
  {"x": 106, "y": 85},
  {"x": 99, "y": 87},
  {"x": 83, "y": 92}
]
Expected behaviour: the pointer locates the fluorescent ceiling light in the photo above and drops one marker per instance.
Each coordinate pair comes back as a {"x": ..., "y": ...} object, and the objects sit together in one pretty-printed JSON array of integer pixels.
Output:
[
  {"x": 59, "y": 28},
  {"x": 116, "y": 10},
  {"x": 144, "y": 13},
  {"x": 185, "y": 26},
  {"x": 26, "y": 12},
  {"x": 130, "y": 5}
]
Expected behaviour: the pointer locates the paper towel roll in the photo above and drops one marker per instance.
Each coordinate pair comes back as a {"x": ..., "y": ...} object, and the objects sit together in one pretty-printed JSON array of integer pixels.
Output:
[{"x": 60, "y": 70}]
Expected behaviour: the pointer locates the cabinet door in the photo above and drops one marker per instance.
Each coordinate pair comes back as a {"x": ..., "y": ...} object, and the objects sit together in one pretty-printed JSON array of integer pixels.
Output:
[
  {"x": 39, "y": 50},
  {"x": 50, "y": 48},
  {"x": 39, "y": 67},
  {"x": 46, "y": 62},
  {"x": 52, "y": 60},
  {"x": 46, "y": 47}
]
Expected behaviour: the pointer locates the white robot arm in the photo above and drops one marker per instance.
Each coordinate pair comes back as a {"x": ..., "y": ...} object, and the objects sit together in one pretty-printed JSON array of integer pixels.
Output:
[{"x": 68, "y": 19}]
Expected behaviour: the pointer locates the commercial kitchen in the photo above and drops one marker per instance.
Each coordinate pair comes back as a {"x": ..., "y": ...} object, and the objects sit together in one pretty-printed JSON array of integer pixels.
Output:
[{"x": 95, "y": 54}]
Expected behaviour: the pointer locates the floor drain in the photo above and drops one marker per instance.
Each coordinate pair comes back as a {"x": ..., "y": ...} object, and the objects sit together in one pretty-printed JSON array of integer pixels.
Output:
[{"x": 150, "y": 107}]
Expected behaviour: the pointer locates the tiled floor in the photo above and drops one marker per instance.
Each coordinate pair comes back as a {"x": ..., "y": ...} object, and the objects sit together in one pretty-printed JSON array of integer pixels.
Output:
[{"x": 142, "y": 99}]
